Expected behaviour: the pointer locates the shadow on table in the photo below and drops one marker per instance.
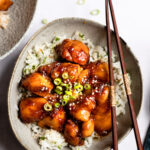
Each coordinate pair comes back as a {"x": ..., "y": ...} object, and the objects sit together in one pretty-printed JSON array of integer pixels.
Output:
[{"x": 7, "y": 138}]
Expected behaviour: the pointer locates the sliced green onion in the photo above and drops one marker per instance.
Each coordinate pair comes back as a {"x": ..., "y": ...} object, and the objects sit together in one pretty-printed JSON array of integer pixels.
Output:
[
  {"x": 69, "y": 86},
  {"x": 64, "y": 84},
  {"x": 65, "y": 75},
  {"x": 66, "y": 97},
  {"x": 59, "y": 88},
  {"x": 57, "y": 105},
  {"x": 57, "y": 81},
  {"x": 68, "y": 92},
  {"x": 87, "y": 86},
  {"x": 71, "y": 77},
  {"x": 44, "y": 21},
  {"x": 80, "y": 93},
  {"x": 48, "y": 107},
  {"x": 78, "y": 87},
  {"x": 58, "y": 92},
  {"x": 95, "y": 12},
  {"x": 76, "y": 83},
  {"x": 72, "y": 97},
  {"x": 81, "y": 2},
  {"x": 42, "y": 138},
  {"x": 64, "y": 102}
]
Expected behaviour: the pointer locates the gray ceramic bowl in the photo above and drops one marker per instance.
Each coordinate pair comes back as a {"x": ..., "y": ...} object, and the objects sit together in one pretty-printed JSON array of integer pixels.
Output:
[
  {"x": 21, "y": 14},
  {"x": 97, "y": 33}
]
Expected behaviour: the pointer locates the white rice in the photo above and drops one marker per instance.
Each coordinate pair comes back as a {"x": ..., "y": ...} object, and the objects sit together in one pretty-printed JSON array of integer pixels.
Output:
[{"x": 44, "y": 54}]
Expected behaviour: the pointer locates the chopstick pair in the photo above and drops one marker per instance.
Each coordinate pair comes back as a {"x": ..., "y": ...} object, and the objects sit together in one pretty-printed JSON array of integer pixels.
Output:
[{"x": 108, "y": 3}]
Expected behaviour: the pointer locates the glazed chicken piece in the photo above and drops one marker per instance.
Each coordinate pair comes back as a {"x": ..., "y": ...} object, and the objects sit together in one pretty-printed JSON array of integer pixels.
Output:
[
  {"x": 99, "y": 71},
  {"x": 31, "y": 109},
  {"x": 83, "y": 77},
  {"x": 38, "y": 84},
  {"x": 71, "y": 133},
  {"x": 74, "y": 51},
  {"x": 102, "y": 112},
  {"x": 47, "y": 69},
  {"x": 82, "y": 107},
  {"x": 55, "y": 120},
  {"x": 102, "y": 98},
  {"x": 87, "y": 128},
  {"x": 103, "y": 123},
  {"x": 5, "y": 4},
  {"x": 72, "y": 70}
]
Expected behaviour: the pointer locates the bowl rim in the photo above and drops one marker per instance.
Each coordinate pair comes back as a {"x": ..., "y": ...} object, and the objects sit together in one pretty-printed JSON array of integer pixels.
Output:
[
  {"x": 33, "y": 37},
  {"x": 22, "y": 37}
]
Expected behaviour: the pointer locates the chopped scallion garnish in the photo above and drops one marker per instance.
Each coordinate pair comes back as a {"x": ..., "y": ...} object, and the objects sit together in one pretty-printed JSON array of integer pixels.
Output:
[
  {"x": 65, "y": 75},
  {"x": 78, "y": 87},
  {"x": 72, "y": 97},
  {"x": 59, "y": 88},
  {"x": 48, "y": 107},
  {"x": 66, "y": 97},
  {"x": 68, "y": 92},
  {"x": 64, "y": 84},
  {"x": 64, "y": 102},
  {"x": 95, "y": 12},
  {"x": 44, "y": 21},
  {"x": 87, "y": 86},
  {"x": 58, "y": 92},
  {"x": 81, "y": 2},
  {"x": 57, "y": 105},
  {"x": 57, "y": 81}
]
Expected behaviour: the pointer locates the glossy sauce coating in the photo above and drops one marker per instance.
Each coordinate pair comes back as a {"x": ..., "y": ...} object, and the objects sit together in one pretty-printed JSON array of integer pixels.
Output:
[
  {"x": 54, "y": 120},
  {"x": 87, "y": 128},
  {"x": 31, "y": 109},
  {"x": 74, "y": 51},
  {"x": 47, "y": 69},
  {"x": 73, "y": 71},
  {"x": 38, "y": 84},
  {"x": 102, "y": 112},
  {"x": 71, "y": 133},
  {"x": 5, "y": 4},
  {"x": 99, "y": 71},
  {"x": 82, "y": 107},
  {"x": 83, "y": 114}
]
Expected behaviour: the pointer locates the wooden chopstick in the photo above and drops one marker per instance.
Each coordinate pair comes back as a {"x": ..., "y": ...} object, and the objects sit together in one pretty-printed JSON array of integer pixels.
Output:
[
  {"x": 111, "y": 78},
  {"x": 126, "y": 80}
]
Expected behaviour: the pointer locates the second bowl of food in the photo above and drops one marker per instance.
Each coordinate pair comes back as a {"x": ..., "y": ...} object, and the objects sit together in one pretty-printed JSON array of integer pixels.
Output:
[{"x": 59, "y": 91}]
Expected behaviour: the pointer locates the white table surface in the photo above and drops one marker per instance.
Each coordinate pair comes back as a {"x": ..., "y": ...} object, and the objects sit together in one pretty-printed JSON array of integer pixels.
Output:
[{"x": 133, "y": 18}]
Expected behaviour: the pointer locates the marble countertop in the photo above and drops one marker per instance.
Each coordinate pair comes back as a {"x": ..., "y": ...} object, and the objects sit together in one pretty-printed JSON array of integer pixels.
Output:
[{"x": 134, "y": 26}]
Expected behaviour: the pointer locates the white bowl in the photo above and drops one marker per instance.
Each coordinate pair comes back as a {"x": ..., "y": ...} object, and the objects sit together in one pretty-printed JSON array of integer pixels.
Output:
[{"x": 97, "y": 33}]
